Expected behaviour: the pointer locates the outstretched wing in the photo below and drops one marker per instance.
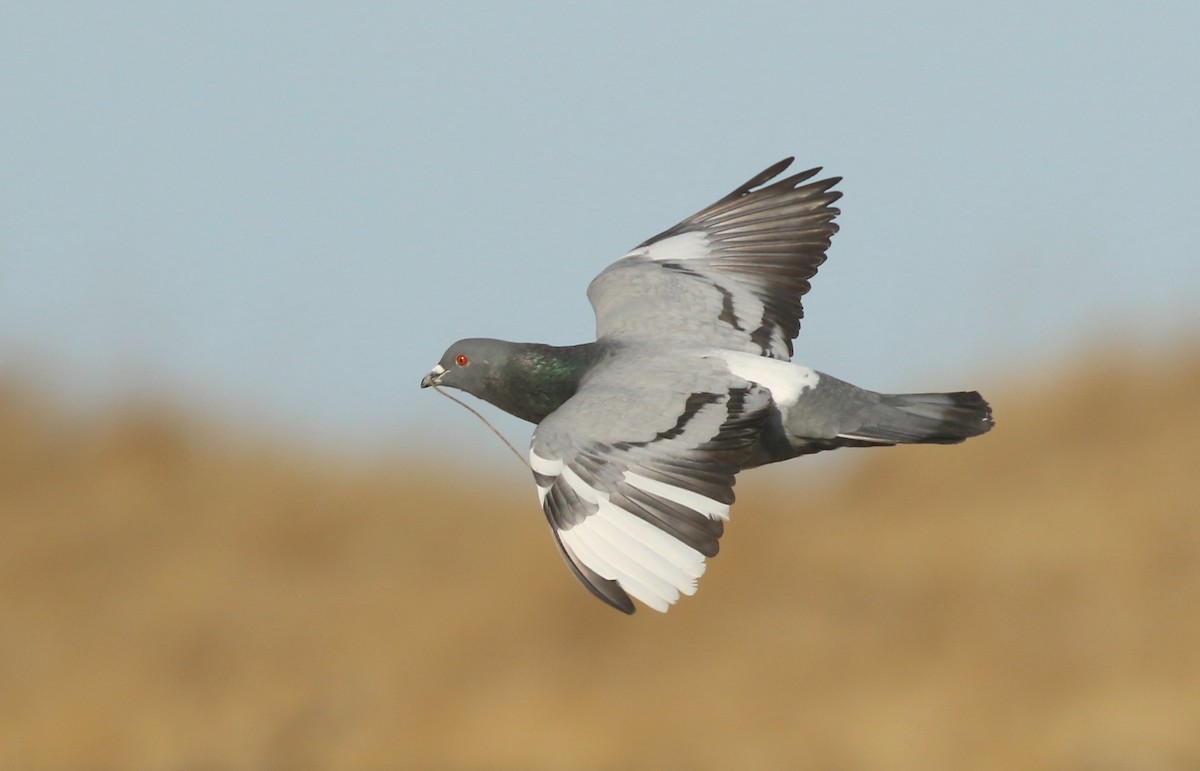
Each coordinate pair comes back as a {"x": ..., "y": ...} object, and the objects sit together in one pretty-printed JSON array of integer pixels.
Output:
[
  {"x": 731, "y": 275},
  {"x": 637, "y": 478}
]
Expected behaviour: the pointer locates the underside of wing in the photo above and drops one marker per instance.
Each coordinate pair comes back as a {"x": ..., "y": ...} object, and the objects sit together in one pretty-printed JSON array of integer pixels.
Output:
[
  {"x": 732, "y": 275},
  {"x": 639, "y": 516}
]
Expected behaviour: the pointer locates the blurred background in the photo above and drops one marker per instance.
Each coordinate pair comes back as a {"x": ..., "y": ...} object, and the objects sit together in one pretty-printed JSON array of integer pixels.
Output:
[{"x": 235, "y": 534}]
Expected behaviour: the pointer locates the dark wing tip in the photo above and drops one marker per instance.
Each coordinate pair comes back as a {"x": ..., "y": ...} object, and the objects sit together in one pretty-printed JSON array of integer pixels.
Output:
[
  {"x": 783, "y": 185},
  {"x": 827, "y": 183},
  {"x": 606, "y": 589},
  {"x": 767, "y": 174},
  {"x": 818, "y": 191}
]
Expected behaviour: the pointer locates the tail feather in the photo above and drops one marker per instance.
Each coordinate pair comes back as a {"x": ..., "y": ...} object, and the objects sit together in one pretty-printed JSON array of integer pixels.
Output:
[
  {"x": 837, "y": 414},
  {"x": 933, "y": 418}
]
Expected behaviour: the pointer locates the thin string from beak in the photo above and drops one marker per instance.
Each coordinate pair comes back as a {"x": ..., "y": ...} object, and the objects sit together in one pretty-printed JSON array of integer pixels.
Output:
[{"x": 475, "y": 412}]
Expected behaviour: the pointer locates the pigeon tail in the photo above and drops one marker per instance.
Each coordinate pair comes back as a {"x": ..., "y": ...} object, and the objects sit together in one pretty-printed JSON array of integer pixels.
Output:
[
  {"x": 825, "y": 413},
  {"x": 933, "y": 418}
]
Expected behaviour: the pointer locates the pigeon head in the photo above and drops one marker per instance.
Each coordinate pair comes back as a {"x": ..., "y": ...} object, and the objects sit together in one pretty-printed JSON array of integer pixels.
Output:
[
  {"x": 473, "y": 365},
  {"x": 528, "y": 380}
]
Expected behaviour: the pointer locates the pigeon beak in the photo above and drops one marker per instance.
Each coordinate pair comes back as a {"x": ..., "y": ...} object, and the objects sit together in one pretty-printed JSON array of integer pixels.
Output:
[{"x": 434, "y": 377}]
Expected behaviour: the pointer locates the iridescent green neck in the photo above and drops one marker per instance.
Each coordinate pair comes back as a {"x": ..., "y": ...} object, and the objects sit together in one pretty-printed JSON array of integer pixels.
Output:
[{"x": 537, "y": 378}]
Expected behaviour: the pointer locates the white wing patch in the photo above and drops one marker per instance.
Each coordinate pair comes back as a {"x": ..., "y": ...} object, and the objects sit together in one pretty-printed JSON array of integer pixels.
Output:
[
  {"x": 648, "y": 563},
  {"x": 546, "y": 467},
  {"x": 692, "y": 245},
  {"x": 693, "y": 500},
  {"x": 785, "y": 380}
]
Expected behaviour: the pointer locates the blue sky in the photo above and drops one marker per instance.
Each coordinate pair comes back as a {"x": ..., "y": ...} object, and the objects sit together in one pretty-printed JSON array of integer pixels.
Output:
[{"x": 285, "y": 212}]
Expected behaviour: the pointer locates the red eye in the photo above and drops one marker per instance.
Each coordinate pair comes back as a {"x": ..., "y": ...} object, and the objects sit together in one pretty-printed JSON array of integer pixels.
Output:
[{"x": 461, "y": 360}]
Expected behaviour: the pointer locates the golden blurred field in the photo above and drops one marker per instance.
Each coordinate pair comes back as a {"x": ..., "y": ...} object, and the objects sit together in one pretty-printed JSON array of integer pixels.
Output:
[{"x": 176, "y": 597}]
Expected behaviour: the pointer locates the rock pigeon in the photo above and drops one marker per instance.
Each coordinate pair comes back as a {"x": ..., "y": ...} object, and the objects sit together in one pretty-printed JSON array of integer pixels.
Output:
[{"x": 640, "y": 434}]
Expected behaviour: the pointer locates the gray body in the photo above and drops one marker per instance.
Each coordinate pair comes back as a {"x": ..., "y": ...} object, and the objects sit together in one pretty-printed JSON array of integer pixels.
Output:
[{"x": 640, "y": 435}]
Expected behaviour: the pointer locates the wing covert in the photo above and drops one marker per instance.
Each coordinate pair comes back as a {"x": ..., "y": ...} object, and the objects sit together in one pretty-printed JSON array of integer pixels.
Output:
[
  {"x": 638, "y": 515},
  {"x": 732, "y": 274}
]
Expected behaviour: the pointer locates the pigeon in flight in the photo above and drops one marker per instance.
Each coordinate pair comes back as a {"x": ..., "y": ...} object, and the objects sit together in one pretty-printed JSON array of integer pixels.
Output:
[{"x": 640, "y": 434}]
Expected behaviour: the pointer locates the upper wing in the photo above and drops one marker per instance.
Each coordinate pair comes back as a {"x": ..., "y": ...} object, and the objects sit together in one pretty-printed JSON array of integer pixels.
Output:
[
  {"x": 732, "y": 274},
  {"x": 637, "y": 483}
]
